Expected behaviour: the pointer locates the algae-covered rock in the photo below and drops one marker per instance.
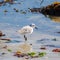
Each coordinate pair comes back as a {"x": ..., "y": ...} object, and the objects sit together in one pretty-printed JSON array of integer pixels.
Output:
[{"x": 52, "y": 10}]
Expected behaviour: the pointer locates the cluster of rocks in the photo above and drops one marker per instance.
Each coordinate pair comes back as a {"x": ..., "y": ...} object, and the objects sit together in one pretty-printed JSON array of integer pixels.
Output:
[{"x": 53, "y": 9}]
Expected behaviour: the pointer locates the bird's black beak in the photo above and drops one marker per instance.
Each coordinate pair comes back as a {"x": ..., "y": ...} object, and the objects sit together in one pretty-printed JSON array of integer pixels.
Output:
[{"x": 36, "y": 27}]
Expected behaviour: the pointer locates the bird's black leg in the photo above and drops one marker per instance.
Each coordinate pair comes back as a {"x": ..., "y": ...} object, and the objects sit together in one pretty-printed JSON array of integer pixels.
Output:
[{"x": 25, "y": 38}]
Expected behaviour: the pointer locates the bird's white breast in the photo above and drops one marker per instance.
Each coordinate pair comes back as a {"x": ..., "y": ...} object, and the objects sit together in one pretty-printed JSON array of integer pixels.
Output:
[{"x": 26, "y": 30}]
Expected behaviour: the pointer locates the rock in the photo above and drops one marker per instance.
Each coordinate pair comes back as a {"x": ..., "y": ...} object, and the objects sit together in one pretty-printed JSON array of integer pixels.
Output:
[
  {"x": 5, "y": 39},
  {"x": 53, "y": 9},
  {"x": 16, "y": 10},
  {"x": 8, "y": 1},
  {"x": 19, "y": 54},
  {"x": 5, "y": 11},
  {"x": 35, "y": 10},
  {"x": 58, "y": 32},
  {"x": 1, "y": 34},
  {"x": 43, "y": 47},
  {"x": 56, "y": 50},
  {"x": 1, "y": 3},
  {"x": 54, "y": 39}
]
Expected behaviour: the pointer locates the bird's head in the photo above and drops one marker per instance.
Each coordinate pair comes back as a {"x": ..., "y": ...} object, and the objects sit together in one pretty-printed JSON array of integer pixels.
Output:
[{"x": 33, "y": 26}]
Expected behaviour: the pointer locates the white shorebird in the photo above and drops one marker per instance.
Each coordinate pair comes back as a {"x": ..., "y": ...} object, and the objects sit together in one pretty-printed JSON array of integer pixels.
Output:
[{"x": 27, "y": 30}]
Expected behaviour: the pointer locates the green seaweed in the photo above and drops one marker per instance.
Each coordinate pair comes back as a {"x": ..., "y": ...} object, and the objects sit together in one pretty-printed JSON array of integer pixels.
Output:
[
  {"x": 9, "y": 50},
  {"x": 32, "y": 54},
  {"x": 41, "y": 54}
]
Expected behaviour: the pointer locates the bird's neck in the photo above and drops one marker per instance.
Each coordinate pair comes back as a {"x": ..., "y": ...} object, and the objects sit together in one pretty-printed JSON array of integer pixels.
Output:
[{"x": 33, "y": 27}]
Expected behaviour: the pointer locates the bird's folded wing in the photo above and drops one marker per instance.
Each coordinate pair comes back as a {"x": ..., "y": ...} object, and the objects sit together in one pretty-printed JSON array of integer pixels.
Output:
[{"x": 25, "y": 30}]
